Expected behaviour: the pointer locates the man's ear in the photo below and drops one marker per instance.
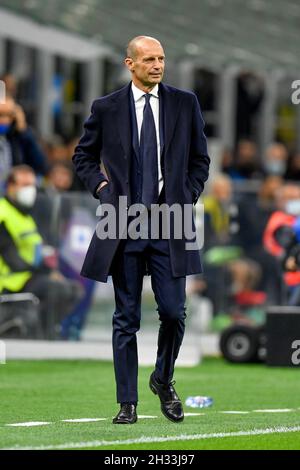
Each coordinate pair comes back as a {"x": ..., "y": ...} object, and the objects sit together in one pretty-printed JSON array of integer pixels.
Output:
[{"x": 129, "y": 64}]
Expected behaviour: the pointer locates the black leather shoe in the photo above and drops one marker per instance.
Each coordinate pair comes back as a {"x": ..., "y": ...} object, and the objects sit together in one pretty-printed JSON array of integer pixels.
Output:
[
  {"x": 170, "y": 403},
  {"x": 126, "y": 415}
]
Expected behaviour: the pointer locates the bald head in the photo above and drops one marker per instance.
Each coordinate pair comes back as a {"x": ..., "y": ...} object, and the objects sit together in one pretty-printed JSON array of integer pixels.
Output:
[
  {"x": 146, "y": 61},
  {"x": 139, "y": 42}
]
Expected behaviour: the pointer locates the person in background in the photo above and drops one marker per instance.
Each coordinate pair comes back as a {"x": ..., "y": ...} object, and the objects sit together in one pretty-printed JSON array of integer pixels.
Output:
[
  {"x": 218, "y": 206},
  {"x": 281, "y": 239},
  {"x": 226, "y": 161},
  {"x": 60, "y": 177},
  {"x": 18, "y": 144},
  {"x": 60, "y": 181},
  {"x": 245, "y": 300},
  {"x": 26, "y": 263},
  {"x": 254, "y": 212},
  {"x": 11, "y": 85},
  {"x": 57, "y": 150},
  {"x": 293, "y": 170},
  {"x": 246, "y": 163},
  {"x": 267, "y": 192},
  {"x": 275, "y": 161},
  {"x": 220, "y": 231},
  {"x": 59, "y": 154}
]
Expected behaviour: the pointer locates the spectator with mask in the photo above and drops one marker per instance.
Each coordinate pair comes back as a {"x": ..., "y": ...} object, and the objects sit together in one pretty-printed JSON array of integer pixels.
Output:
[
  {"x": 26, "y": 264},
  {"x": 275, "y": 161},
  {"x": 17, "y": 142}
]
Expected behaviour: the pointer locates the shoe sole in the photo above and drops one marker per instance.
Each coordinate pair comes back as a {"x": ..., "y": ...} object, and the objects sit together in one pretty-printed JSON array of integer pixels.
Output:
[
  {"x": 153, "y": 389},
  {"x": 124, "y": 422}
]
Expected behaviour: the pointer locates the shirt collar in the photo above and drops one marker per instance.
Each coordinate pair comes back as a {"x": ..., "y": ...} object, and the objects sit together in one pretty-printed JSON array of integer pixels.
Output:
[{"x": 138, "y": 93}]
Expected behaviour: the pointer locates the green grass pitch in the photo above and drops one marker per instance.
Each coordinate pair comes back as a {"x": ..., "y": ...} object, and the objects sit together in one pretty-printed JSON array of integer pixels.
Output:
[{"x": 52, "y": 391}]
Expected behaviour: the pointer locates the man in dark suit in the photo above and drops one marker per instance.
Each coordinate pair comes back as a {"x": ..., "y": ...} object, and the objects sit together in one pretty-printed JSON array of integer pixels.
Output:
[{"x": 145, "y": 142}]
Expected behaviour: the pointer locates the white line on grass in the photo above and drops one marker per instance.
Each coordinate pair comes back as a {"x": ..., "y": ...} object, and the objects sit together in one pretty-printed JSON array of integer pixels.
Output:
[
  {"x": 90, "y": 420},
  {"x": 147, "y": 417},
  {"x": 145, "y": 440},
  {"x": 77, "y": 420},
  {"x": 83, "y": 420},
  {"x": 29, "y": 423},
  {"x": 277, "y": 410}
]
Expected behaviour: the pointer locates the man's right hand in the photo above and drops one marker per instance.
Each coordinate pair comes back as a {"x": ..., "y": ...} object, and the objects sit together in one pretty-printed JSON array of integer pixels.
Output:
[{"x": 101, "y": 185}]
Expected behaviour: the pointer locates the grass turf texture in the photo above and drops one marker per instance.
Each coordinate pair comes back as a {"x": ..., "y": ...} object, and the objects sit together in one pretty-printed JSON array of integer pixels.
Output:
[{"x": 57, "y": 390}]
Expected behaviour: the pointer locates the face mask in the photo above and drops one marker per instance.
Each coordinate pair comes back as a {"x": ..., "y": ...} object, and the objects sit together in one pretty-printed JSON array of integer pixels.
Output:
[
  {"x": 276, "y": 167},
  {"x": 293, "y": 207},
  {"x": 4, "y": 128},
  {"x": 26, "y": 196}
]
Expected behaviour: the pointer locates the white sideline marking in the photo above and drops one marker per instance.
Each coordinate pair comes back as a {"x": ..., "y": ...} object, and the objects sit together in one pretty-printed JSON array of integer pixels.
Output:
[
  {"x": 29, "y": 423},
  {"x": 144, "y": 439},
  {"x": 146, "y": 417},
  {"x": 277, "y": 410},
  {"x": 90, "y": 420},
  {"x": 79, "y": 420},
  {"x": 83, "y": 420}
]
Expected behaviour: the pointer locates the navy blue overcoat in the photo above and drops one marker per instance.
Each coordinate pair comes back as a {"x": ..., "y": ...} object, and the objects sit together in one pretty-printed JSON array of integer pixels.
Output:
[{"x": 105, "y": 151}]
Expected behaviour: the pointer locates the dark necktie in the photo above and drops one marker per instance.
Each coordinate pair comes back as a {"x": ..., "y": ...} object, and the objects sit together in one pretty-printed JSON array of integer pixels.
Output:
[{"x": 148, "y": 152}]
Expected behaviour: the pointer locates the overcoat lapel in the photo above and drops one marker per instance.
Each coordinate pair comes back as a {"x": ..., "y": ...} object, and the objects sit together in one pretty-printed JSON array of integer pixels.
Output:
[
  {"x": 122, "y": 119},
  {"x": 171, "y": 106}
]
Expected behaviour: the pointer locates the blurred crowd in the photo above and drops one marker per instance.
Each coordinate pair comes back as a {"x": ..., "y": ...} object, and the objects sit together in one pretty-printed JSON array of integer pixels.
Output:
[
  {"x": 250, "y": 245},
  {"x": 241, "y": 272},
  {"x": 19, "y": 144},
  {"x": 30, "y": 260}
]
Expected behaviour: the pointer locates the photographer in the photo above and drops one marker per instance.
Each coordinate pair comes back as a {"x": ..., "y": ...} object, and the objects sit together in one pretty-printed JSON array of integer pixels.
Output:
[{"x": 282, "y": 238}]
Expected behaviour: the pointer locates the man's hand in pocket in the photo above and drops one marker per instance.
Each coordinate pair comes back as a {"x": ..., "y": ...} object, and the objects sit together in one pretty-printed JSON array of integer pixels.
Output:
[{"x": 101, "y": 185}]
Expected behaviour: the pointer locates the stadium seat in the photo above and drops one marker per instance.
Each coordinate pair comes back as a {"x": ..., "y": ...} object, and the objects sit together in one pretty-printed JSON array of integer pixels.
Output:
[{"x": 19, "y": 316}]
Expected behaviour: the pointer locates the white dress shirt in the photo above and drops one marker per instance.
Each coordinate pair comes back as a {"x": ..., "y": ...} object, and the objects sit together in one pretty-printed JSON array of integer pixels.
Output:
[{"x": 139, "y": 101}]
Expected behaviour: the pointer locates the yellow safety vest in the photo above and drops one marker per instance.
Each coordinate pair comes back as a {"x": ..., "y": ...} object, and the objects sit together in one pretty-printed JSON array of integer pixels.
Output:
[
  {"x": 219, "y": 218},
  {"x": 24, "y": 232}
]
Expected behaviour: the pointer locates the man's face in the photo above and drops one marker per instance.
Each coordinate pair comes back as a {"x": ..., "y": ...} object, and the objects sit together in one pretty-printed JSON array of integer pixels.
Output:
[
  {"x": 61, "y": 178},
  {"x": 22, "y": 179},
  {"x": 246, "y": 152},
  {"x": 147, "y": 65},
  {"x": 223, "y": 191}
]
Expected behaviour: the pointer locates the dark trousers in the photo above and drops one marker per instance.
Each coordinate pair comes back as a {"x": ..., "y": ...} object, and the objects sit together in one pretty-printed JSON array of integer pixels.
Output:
[{"x": 127, "y": 273}]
